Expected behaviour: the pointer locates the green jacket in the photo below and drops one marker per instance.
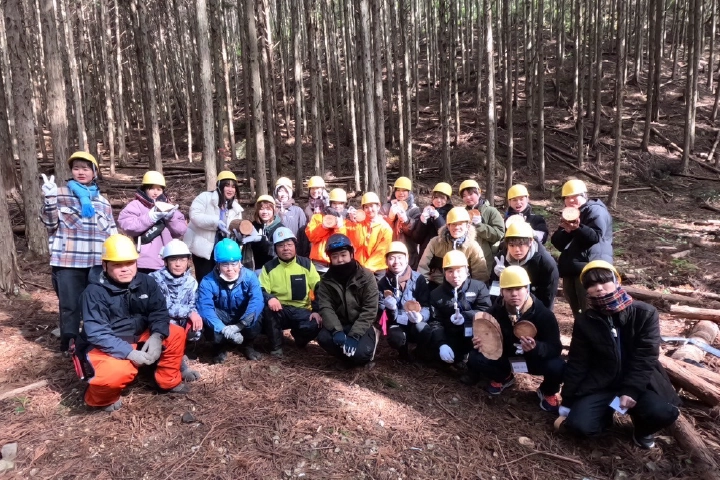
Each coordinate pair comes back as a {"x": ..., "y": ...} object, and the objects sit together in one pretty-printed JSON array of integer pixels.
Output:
[
  {"x": 490, "y": 231},
  {"x": 290, "y": 282},
  {"x": 353, "y": 304}
]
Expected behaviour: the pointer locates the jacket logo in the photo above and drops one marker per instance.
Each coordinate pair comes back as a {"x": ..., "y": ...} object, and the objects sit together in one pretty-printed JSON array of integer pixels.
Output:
[
  {"x": 143, "y": 296},
  {"x": 470, "y": 295}
]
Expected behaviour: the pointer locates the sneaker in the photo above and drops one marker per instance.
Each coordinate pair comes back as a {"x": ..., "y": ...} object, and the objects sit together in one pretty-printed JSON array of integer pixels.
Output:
[
  {"x": 251, "y": 354},
  {"x": 496, "y": 388},
  {"x": 646, "y": 442},
  {"x": 549, "y": 403},
  {"x": 278, "y": 353}
]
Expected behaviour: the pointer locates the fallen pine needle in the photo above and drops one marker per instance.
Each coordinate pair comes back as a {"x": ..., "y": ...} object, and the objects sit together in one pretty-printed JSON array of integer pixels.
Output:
[{"x": 547, "y": 454}]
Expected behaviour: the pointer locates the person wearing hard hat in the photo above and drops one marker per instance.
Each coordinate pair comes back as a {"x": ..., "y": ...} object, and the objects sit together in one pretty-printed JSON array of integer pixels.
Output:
[
  {"x": 257, "y": 247},
  {"x": 317, "y": 197},
  {"x": 456, "y": 235},
  {"x": 347, "y": 298},
  {"x": 403, "y": 220},
  {"x": 210, "y": 216},
  {"x": 489, "y": 223},
  {"x": 230, "y": 302},
  {"x": 454, "y": 304},
  {"x": 123, "y": 309},
  {"x": 78, "y": 220},
  {"x": 399, "y": 286},
  {"x": 291, "y": 216},
  {"x": 153, "y": 227},
  {"x": 522, "y": 248},
  {"x": 180, "y": 290},
  {"x": 614, "y": 362},
  {"x": 288, "y": 284},
  {"x": 432, "y": 218},
  {"x": 370, "y": 237},
  {"x": 581, "y": 241},
  {"x": 536, "y": 355},
  {"x": 519, "y": 206},
  {"x": 318, "y": 233}
]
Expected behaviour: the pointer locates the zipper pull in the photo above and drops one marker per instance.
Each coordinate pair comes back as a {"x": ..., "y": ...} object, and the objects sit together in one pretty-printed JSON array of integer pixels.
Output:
[{"x": 614, "y": 332}]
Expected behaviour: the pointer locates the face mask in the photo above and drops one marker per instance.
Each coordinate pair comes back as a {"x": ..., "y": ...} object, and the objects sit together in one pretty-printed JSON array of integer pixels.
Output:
[
  {"x": 343, "y": 272},
  {"x": 614, "y": 302}
]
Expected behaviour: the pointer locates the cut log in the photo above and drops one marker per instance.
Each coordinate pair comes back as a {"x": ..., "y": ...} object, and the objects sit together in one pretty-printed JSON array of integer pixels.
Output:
[
  {"x": 691, "y": 441},
  {"x": 687, "y": 291},
  {"x": 703, "y": 373},
  {"x": 681, "y": 377},
  {"x": 696, "y": 313},
  {"x": 652, "y": 296},
  {"x": 703, "y": 330}
]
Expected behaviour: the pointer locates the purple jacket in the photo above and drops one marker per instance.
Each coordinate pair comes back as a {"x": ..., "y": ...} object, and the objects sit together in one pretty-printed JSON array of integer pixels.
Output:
[{"x": 134, "y": 221}]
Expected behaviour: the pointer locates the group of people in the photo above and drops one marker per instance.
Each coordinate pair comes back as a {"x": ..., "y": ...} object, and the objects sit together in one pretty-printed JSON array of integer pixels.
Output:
[{"x": 345, "y": 277}]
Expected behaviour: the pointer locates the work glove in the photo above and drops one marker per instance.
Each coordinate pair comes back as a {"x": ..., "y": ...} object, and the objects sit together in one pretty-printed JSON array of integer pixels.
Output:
[
  {"x": 414, "y": 317},
  {"x": 426, "y": 214},
  {"x": 446, "y": 354},
  {"x": 340, "y": 222},
  {"x": 434, "y": 213},
  {"x": 539, "y": 235},
  {"x": 236, "y": 338},
  {"x": 457, "y": 319},
  {"x": 499, "y": 265},
  {"x": 139, "y": 358},
  {"x": 402, "y": 215},
  {"x": 153, "y": 347},
  {"x": 222, "y": 226},
  {"x": 476, "y": 220},
  {"x": 253, "y": 237},
  {"x": 155, "y": 214},
  {"x": 564, "y": 411},
  {"x": 229, "y": 331},
  {"x": 247, "y": 320},
  {"x": 390, "y": 303},
  {"x": 49, "y": 188},
  {"x": 169, "y": 214},
  {"x": 339, "y": 338},
  {"x": 350, "y": 346}
]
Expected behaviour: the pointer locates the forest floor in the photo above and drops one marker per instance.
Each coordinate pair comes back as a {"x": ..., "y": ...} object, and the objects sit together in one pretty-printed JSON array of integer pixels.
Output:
[{"x": 299, "y": 418}]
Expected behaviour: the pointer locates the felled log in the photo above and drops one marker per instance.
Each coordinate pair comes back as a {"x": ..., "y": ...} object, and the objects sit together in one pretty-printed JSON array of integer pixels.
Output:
[
  {"x": 691, "y": 441},
  {"x": 682, "y": 377},
  {"x": 696, "y": 313},
  {"x": 26, "y": 388},
  {"x": 652, "y": 296},
  {"x": 687, "y": 291},
  {"x": 703, "y": 373},
  {"x": 705, "y": 331}
]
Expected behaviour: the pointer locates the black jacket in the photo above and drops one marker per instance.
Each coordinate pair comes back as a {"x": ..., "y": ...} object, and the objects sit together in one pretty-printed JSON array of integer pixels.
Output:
[
  {"x": 591, "y": 241},
  {"x": 472, "y": 297},
  {"x": 257, "y": 254},
  {"x": 537, "y": 222},
  {"x": 543, "y": 273},
  {"x": 424, "y": 232},
  {"x": 416, "y": 288},
  {"x": 403, "y": 232},
  {"x": 627, "y": 364}
]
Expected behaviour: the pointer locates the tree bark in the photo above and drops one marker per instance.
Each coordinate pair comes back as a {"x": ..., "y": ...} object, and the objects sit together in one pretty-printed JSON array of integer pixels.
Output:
[
  {"x": 208, "y": 122},
  {"x": 691, "y": 441},
  {"x": 74, "y": 77},
  {"x": 298, "y": 93},
  {"x": 680, "y": 377},
  {"x": 257, "y": 94},
  {"x": 619, "y": 99},
  {"x": 381, "y": 161},
  {"x": 705, "y": 331},
  {"x": 7, "y": 159},
  {"x": 540, "y": 69},
  {"x": 695, "y": 313},
  {"x": 268, "y": 76},
  {"x": 373, "y": 182},
  {"x": 119, "y": 97},
  {"x": 106, "y": 34},
  {"x": 490, "y": 119}
]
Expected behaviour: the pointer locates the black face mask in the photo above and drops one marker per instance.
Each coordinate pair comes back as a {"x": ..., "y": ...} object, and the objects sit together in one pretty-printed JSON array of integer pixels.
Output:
[{"x": 343, "y": 272}]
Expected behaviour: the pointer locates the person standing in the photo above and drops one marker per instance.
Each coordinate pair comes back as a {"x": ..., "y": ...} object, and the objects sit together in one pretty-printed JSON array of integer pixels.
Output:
[
  {"x": 317, "y": 197},
  {"x": 432, "y": 218},
  {"x": 489, "y": 224},
  {"x": 257, "y": 247},
  {"x": 403, "y": 220},
  {"x": 519, "y": 205},
  {"x": 371, "y": 237},
  {"x": 318, "y": 233},
  {"x": 291, "y": 215}
]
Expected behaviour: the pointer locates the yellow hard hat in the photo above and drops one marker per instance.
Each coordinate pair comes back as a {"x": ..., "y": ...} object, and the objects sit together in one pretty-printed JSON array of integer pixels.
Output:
[
  {"x": 517, "y": 191},
  {"x": 514, "y": 276},
  {"x": 443, "y": 188},
  {"x": 599, "y": 264},
  {"x": 226, "y": 175},
  {"x": 153, "y": 178},
  {"x": 338, "y": 195},
  {"x": 468, "y": 184},
  {"x": 119, "y": 248},
  {"x": 88, "y": 157},
  {"x": 519, "y": 230},
  {"x": 573, "y": 187},
  {"x": 397, "y": 247},
  {"x": 369, "y": 197},
  {"x": 454, "y": 258},
  {"x": 315, "y": 182},
  {"x": 457, "y": 214},
  {"x": 284, "y": 181},
  {"x": 404, "y": 183},
  {"x": 265, "y": 198}
]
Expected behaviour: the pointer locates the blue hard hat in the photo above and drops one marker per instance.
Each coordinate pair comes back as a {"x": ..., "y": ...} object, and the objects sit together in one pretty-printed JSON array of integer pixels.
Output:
[
  {"x": 338, "y": 241},
  {"x": 227, "y": 250}
]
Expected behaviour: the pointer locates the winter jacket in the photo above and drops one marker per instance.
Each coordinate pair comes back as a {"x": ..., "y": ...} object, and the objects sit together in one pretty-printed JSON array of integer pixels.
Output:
[
  {"x": 424, "y": 232},
  {"x": 292, "y": 283},
  {"x": 293, "y": 217},
  {"x": 415, "y": 288},
  {"x": 541, "y": 269},
  {"x": 257, "y": 254},
  {"x": 241, "y": 299},
  {"x": 114, "y": 316},
  {"x": 591, "y": 241},
  {"x": 472, "y": 297},
  {"x": 490, "y": 231},
  {"x": 537, "y": 222},
  {"x": 403, "y": 232},
  {"x": 180, "y": 294},
  {"x": 371, "y": 241},
  {"x": 354, "y": 303},
  {"x": 76, "y": 242},
  {"x": 202, "y": 232},
  {"x": 432, "y": 258},
  {"x": 627, "y": 363},
  {"x": 135, "y": 220},
  {"x": 319, "y": 235},
  {"x": 317, "y": 205}
]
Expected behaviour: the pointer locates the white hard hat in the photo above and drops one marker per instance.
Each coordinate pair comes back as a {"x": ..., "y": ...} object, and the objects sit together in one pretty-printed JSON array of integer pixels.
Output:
[{"x": 175, "y": 248}]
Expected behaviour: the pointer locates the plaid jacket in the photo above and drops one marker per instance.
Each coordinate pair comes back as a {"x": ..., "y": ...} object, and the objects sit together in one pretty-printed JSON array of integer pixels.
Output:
[{"x": 76, "y": 242}]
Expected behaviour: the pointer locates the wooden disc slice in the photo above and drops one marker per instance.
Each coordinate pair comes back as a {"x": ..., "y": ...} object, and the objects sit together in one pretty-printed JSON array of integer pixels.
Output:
[
  {"x": 474, "y": 213},
  {"x": 523, "y": 328},
  {"x": 570, "y": 214},
  {"x": 403, "y": 204},
  {"x": 164, "y": 206},
  {"x": 246, "y": 227},
  {"x": 329, "y": 221},
  {"x": 235, "y": 225},
  {"x": 359, "y": 216},
  {"x": 412, "y": 306},
  {"x": 387, "y": 293},
  {"x": 487, "y": 329}
]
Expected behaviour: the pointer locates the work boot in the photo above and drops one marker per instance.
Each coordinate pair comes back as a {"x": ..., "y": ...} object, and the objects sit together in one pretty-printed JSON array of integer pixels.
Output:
[
  {"x": 250, "y": 353},
  {"x": 646, "y": 442},
  {"x": 180, "y": 389},
  {"x": 277, "y": 353},
  {"x": 343, "y": 365},
  {"x": 116, "y": 406}
]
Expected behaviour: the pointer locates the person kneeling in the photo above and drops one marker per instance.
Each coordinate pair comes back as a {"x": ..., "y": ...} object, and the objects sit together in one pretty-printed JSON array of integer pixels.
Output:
[
  {"x": 614, "y": 359},
  {"x": 348, "y": 300},
  {"x": 123, "y": 308},
  {"x": 288, "y": 282},
  {"x": 230, "y": 303},
  {"x": 537, "y": 354}
]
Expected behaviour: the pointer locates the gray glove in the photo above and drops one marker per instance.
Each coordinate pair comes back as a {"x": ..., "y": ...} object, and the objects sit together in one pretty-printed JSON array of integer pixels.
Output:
[
  {"x": 247, "y": 320},
  {"x": 236, "y": 338},
  {"x": 476, "y": 220},
  {"x": 457, "y": 319},
  {"x": 222, "y": 226},
  {"x": 155, "y": 214},
  {"x": 169, "y": 214},
  {"x": 153, "y": 347},
  {"x": 229, "y": 331},
  {"x": 139, "y": 358},
  {"x": 390, "y": 303},
  {"x": 253, "y": 237}
]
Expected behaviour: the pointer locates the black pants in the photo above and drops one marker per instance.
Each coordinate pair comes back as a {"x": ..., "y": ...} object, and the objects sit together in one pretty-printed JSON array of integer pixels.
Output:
[
  {"x": 203, "y": 266},
  {"x": 365, "y": 350},
  {"x": 398, "y": 336},
  {"x": 498, "y": 370},
  {"x": 249, "y": 333},
  {"x": 69, "y": 284},
  {"x": 590, "y": 415},
  {"x": 296, "y": 319}
]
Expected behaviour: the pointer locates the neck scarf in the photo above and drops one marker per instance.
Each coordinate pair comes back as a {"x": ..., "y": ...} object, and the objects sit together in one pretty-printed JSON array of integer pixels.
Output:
[
  {"x": 611, "y": 303},
  {"x": 142, "y": 197},
  {"x": 342, "y": 273},
  {"x": 531, "y": 253},
  {"x": 402, "y": 278},
  {"x": 86, "y": 194}
]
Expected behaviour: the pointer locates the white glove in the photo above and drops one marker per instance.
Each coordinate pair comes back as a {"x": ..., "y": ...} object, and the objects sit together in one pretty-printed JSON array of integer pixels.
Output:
[
  {"x": 351, "y": 213},
  {"x": 539, "y": 235},
  {"x": 229, "y": 331},
  {"x": 393, "y": 212},
  {"x": 155, "y": 214},
  {"x": 476, "y": 220},
  {"x": 49, "y": 188},
  {"x": 427, "y": 213},
  {"x": 237, "y": 338},
  {"x": 499, "y": 265},
  {"x": 457, "y": 319},
  {"x": 434, "y": 213},
  {"x": 340, "y": 222},
  {"x": 253, "y": 237},
  {"x": 402, "y": 215},
  {"x": 390, "y": 303},
  {"x": 222, "y": 226},
  {"x": 563, "y": 411},
  {"x": 414, "y": 317},
  {"x": 446, "y": 354}
]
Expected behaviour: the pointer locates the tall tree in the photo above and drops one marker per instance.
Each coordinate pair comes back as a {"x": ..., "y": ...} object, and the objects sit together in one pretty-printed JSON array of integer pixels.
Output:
[
  {"x": 490, "y": 119},
  {"x": 378, "y": 89},
  {"x": 7, "y": 160},
  {"x": 367, "y": 58},
  {"x": 208, "y": 119},
  {"x": 257, "y": 92},
  {"x": 298, "y": 93},
  {"x": 620, "y": 47},
  {"x": 540, "y": 69},
  {"x": 694, "y": 33}
]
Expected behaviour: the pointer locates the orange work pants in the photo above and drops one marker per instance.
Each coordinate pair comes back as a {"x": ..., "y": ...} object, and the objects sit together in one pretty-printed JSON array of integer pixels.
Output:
[{"x": 113, "y": 374}]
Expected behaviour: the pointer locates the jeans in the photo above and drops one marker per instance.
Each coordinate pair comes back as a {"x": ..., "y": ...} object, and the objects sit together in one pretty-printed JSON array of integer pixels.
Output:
[
  {"x": 365, "y": 350},
  {"x": 296, "y": 319},
  {"x": 551, "y": 370},
  {"x": 69, "y": 284}
]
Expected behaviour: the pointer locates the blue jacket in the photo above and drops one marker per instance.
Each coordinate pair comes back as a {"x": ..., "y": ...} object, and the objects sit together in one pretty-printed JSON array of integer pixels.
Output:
[
  {"x": 243, "y": 301},
  {"x": 115, "y": 316}
]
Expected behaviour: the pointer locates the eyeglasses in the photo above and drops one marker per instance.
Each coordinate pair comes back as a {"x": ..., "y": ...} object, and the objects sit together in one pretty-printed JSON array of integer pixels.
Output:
[{"x": 228, "y": 264}]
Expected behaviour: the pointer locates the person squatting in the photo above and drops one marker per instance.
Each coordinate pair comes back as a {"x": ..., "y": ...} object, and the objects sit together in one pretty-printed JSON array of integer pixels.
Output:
[{"x": 465, "y": 286}]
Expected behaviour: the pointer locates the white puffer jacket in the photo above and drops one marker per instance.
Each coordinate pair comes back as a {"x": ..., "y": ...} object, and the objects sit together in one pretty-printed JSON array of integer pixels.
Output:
[{"x": 204, "y": 218}]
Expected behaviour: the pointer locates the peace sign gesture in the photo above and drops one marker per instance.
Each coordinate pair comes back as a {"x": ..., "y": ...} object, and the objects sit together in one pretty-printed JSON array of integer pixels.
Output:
[{"x": 49, "y": 188}]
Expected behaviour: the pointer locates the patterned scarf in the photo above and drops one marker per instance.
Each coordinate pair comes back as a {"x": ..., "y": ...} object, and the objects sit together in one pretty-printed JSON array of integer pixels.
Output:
[
  {"x": 86, "y": 194},
  {"x": 611, "y": 303},
  {"x": 142, "y": 197}
]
